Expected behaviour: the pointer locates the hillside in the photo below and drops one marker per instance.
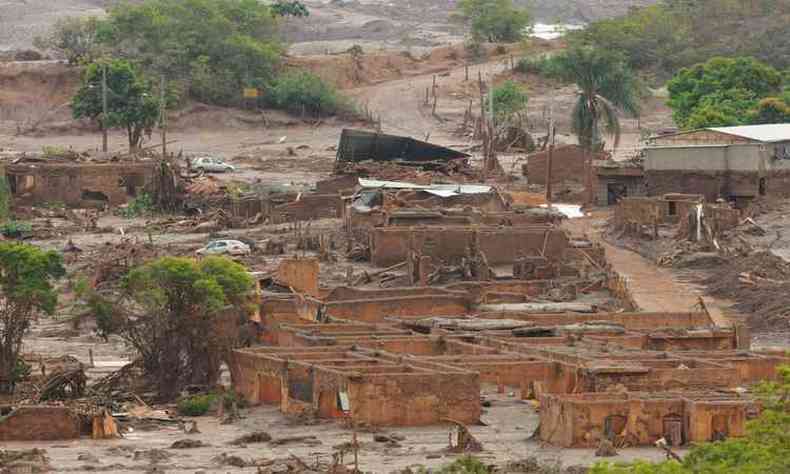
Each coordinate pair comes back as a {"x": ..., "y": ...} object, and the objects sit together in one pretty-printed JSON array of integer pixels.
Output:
[{"x": 348, "y": 21}]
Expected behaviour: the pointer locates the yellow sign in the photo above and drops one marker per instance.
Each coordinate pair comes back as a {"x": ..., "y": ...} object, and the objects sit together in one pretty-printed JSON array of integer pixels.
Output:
[{"x": 250, "y": 93}]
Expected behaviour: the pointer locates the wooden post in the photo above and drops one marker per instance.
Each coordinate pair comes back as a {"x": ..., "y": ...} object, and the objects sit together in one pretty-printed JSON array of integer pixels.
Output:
[
  {"x": 90, "y": 356},
  {"x": 163, "y": 115},
  {"x": 549, "y": 161},
  {"x": 104, "y": 108},
  {"x": 466, "y": 72}
]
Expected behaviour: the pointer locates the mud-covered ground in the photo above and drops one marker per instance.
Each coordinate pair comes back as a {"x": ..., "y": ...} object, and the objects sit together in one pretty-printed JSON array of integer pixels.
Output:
[{"x": 378, "y": 23}]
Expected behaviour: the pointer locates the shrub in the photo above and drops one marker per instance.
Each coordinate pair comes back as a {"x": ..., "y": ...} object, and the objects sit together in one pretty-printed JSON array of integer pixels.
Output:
[
  {"x": 21, "y": 371},
  {"x": 509, "y": 99},
  {"x": 15, "y": 229},
  {"x": 142, "y": 205},
  {"x": 550, "y": 67},
  {"x": 465, "y": 465},
  {"x": 72, "y": 37},
  {"x": 304, "y": 92},
  {"x": 5, "y": 198},
  {"x": 494, "y": 20},
  {"x": 196, "y": 405}
]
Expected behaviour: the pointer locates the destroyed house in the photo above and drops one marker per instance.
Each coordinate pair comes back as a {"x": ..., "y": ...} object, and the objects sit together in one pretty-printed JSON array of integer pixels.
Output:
[
  {"x": 733, "y": 163},
  {"x": 77, "y": 184},
  {"x": 360, "y": 145}
]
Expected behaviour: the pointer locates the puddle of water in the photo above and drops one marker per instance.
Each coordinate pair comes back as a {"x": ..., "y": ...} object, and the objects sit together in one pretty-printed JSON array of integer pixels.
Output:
[{"x": 550, "y": 31}]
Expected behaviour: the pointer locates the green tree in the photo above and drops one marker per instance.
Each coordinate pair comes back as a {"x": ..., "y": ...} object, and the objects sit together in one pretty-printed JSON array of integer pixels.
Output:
[
  {"x": 290, "y": 8},
  {"x": 130, "y": 103},
  {"x": 771, "y": 110},
  {"x": 183, "y": 317},
  {"x": 765, "y": 448},
  {"x": 26, "y": 276},
  {"x": 496, "y": 21},
  {"x": 509, "y": 100},
  {"x": 606, "y": 85},
  {"x": 73, "y": 37},
  {"x": 721, "y": 90},
  {"x": 234, "y": 40}
]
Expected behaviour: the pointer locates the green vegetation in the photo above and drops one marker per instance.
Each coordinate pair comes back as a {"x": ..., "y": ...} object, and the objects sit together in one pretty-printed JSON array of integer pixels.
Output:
[
  {"x": 289, "y": 8},
  {"x": 209, "y": 50},
  {"x": 764, "y": 449},
  {"x": 606, "y": 85},
  {"x": 130, "y": 103},
  {"x": 677, "y": 33},
  {"x": 465, "y": 465},
  {"x": 551, "y": 67},
  {"x": 14, "y": 229},
  {"x": 26, "y": 275},
  {"x": 509, "y": 101},
  {"x": 726, "y": 91},
  {"x": 140, "y": 206},
  {"x": 235, "y": 37},
  {"x": 495, "y": 21},
  {"x": 304, "y": 92},
  {"x": 74, "y": 37},
  {"x": 196, "y": 405},
  {"x": 183, "y": 318},
  {"x": 5, "y": 199}
]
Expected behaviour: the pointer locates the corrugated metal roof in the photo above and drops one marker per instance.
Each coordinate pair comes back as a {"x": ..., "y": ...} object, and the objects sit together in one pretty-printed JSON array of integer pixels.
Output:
[
  {"x": 775, "y": 132},
  {"x": 442, "y": 190}
]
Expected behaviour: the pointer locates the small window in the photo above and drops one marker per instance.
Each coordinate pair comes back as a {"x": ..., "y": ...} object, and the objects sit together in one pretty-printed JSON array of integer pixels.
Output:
[{"x": 673, "y": 208}]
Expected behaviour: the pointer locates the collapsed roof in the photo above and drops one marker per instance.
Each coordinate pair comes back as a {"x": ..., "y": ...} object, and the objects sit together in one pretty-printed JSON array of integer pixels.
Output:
[{"x": 360, "y": 145}]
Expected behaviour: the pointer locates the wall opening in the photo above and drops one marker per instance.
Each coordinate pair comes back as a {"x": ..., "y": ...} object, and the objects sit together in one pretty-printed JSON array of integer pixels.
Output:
[
  {"x": 88, "y": 195},
  {"x": 761, "y": 186},
  {"x": 673, "y": 208},
  {"x": 673, "y": 430},
  {"x": 301, "y": 388},
  {"x": 615, "y": 192},
  {"x": 614, "y": 425},
  {"x": 719, "y": 428}
]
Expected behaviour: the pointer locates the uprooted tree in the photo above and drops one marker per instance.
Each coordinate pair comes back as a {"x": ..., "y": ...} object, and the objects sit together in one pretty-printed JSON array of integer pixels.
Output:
[
  {"x": 26, "y": 277},
  {"x": 183, "y": 318}
]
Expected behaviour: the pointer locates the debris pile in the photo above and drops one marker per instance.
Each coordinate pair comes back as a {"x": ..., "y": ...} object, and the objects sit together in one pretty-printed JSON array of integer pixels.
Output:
[{"x": 759, "y": 284}]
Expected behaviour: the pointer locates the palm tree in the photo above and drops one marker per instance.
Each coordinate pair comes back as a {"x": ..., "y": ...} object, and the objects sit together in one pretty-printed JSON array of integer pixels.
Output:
[{"x": 606, "y": 86}]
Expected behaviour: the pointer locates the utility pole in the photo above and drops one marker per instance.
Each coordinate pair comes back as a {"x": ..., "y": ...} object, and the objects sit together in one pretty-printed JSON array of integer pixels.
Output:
[
  {"x": 163, "y": 115},
  {"x": 589, "y": 198},
  {"x": 550, "y": 156},
  {"x": 104, "y": 108}
]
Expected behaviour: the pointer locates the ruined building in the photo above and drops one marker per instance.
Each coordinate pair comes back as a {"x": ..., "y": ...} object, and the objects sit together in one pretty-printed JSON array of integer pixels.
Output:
[{"x": 733, "y": 163}]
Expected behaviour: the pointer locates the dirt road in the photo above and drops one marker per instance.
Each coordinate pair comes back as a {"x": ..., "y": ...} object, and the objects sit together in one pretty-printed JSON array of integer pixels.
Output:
[{"x": 654, "y": 289}]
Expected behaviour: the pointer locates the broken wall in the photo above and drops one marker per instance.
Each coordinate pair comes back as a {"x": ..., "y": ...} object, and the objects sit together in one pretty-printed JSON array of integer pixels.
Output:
[
  {"x": 390, "y": 246},
  {"x": 301, "y": 274},
  {"x": 307, "y": 207},
  {"x": 79, "y": 185},
  {"x": 39, "y": 423}
]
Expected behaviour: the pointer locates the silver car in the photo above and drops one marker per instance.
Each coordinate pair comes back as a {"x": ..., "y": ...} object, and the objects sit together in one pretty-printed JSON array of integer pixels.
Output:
[
  {"x": 221, "y": 247},
  {"x": 211, "y": 165}
]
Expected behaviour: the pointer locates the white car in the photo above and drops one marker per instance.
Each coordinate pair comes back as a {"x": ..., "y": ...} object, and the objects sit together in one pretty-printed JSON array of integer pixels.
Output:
[
  {"x": 211, "y": 165},
  {"x": 220, "y": 247}
]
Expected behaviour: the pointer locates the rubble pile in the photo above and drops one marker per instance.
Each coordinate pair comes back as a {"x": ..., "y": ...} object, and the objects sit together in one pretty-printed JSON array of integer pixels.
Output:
[{"x": 759, "y": 284}]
